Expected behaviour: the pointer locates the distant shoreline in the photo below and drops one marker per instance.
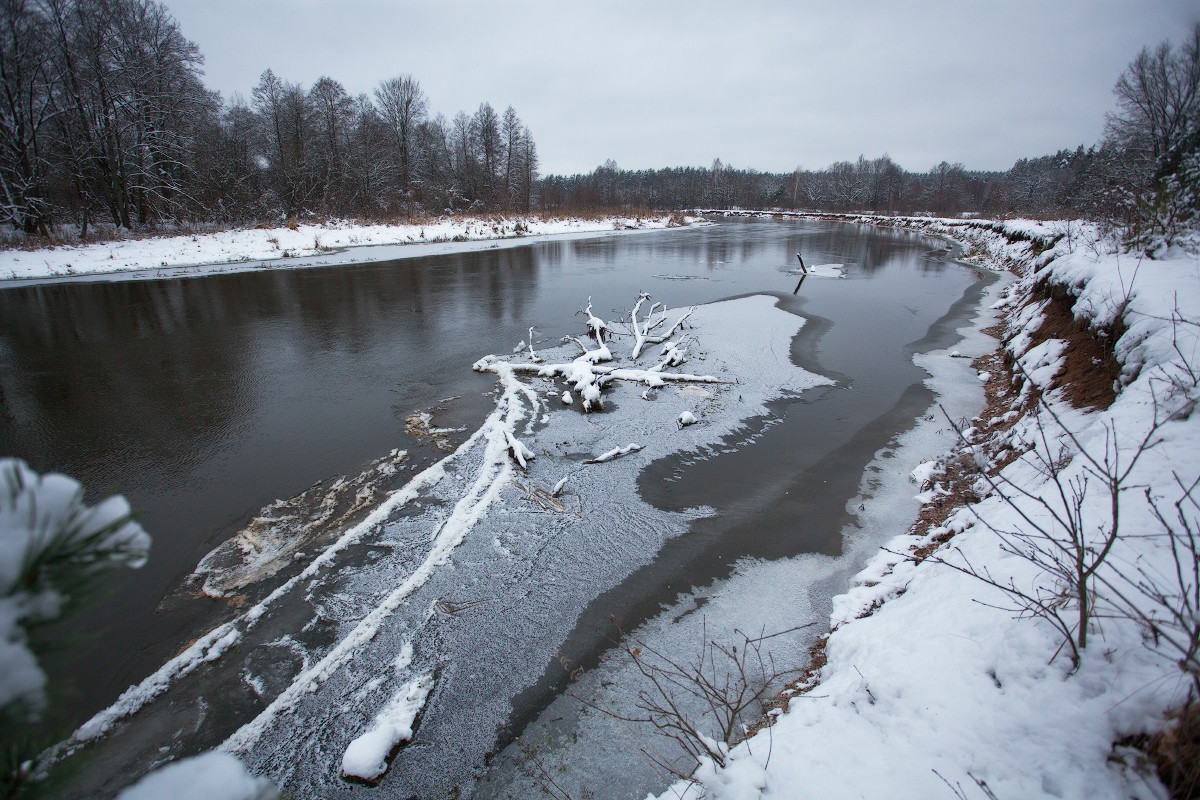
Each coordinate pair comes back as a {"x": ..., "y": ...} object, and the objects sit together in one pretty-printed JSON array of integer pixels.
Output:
[{"x": 306, "y": 247}]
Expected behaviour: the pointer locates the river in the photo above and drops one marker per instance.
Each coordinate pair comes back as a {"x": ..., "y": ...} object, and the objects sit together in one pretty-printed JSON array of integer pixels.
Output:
[{"x": 204, "y": 400}]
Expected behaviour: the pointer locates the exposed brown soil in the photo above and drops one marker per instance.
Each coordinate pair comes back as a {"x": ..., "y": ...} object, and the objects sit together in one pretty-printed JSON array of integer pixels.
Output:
[
  {"x": 1175, "y": 752},
  {"x": 961, "y": 472},
  {"x": 1090, "y": 374},
  {"x": 803, "y": 683}
]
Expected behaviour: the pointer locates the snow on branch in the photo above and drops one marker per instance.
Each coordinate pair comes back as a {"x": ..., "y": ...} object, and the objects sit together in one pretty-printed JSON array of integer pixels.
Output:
[
  {"x": 596, "y": 326},
  {"x": 616, "y": 452},
  {"x": 601, "y": 353},
  {"x": 586, "y": 377},
  {"x": 51, "y": 544},
  {"x": 641, "y": 330},
  {"x": 517, "y": 449}
]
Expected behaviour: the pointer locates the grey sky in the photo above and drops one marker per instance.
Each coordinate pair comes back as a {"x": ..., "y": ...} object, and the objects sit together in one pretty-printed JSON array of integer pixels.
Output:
[{"x": 768, "y": 85}]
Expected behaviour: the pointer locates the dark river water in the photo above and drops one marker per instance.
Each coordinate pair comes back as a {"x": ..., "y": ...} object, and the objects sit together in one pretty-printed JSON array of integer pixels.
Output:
[{"x": 204, "y": 399}]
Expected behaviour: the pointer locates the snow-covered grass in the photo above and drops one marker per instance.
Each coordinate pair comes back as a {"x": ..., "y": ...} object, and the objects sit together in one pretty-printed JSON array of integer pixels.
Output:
[
  {"x": 305, "y": 245},
  {"x": 941, "y": 679}
]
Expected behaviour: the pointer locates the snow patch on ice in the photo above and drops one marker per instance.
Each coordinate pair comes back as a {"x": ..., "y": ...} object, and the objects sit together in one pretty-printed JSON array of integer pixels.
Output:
[
  {"x": 211, "y": 776},
  {"x": 367, "y": 756}
]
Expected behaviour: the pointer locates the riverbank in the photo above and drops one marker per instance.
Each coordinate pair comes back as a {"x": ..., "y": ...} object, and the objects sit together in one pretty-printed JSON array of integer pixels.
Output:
[
  {"x": 308, "y": 245},
  {"x": 957, "y": 664}
]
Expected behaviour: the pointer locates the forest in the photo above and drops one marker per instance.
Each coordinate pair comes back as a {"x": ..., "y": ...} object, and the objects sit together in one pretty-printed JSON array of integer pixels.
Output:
[{"x": 104, "y": 118}]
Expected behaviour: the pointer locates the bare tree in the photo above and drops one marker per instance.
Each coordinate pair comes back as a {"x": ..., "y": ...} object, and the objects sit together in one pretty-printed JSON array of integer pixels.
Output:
[
  {"x": 26, "y": 106},
  {"x": 702, "y": 703},
  {"x": 332, "y": 117},
  {"x": 1156, "y": 130},
  {"x": 403, "y": 106},
  {"x": 491, "y": 149},
  {"x": 282, "y": 108}
]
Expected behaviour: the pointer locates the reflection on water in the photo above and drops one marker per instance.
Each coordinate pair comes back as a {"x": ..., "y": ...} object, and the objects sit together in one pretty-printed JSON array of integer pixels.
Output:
[{"x": 204, "y": 400}]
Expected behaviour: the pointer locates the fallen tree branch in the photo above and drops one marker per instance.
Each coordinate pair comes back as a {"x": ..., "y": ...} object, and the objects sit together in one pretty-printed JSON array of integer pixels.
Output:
[
  {"x": 641, "y": 330},
  {"x": 616, "y": 452}
]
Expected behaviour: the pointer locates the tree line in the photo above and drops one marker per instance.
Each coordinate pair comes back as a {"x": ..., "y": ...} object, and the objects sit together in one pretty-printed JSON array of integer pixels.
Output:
[
  {"x": 1069, "y": 181},
  {"x": 1144, "y": 175},
  {"x": 104, "y": 117}
]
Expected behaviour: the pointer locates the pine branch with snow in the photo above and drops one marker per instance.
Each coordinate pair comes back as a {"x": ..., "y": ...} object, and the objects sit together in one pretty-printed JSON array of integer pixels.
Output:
[{"x": 52, "y": 547}]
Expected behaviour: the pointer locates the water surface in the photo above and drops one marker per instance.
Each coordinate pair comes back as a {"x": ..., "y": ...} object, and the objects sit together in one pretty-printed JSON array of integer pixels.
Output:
[{"x": 202, "y": 400}]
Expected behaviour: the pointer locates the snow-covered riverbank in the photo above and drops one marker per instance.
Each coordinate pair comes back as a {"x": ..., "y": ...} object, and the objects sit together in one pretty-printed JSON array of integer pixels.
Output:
[
  {"x": 943, "y": 683},
  {"x": 307, "y": 245}
]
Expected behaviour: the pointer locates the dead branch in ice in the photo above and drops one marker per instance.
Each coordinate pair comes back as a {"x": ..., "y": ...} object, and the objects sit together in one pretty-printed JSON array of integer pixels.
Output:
[
  {"x": 549, "y": 499},
  {"x": 584, "y": 375},
  {"x": 616, "y": 452},
  {"x": 452, "y": 607},
  {"x": 587, "y": 379},
  {"x": 533, "y": 356},
  {"x": 558, "y": 487},
  {"x": 641, "y": 330},
  {"x": 654, "y": 378},
  {"x": 517, "y": 449}
]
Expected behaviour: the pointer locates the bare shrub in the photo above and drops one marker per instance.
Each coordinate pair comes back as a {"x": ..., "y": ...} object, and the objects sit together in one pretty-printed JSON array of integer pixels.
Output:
[{"x": 701, "y": 704}]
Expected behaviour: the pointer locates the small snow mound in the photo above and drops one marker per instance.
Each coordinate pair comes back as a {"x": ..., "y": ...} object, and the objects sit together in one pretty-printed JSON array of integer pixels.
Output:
[
  {"x": 923, "y": 472},
  {"x": 211, "y": 776},
  {"x": 367, "y": 756},
  {"x": 687, "y": 418}
]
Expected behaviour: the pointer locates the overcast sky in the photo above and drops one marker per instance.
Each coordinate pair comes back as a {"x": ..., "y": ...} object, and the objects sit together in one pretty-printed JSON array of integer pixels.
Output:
[{"x": 768, "y": 85}]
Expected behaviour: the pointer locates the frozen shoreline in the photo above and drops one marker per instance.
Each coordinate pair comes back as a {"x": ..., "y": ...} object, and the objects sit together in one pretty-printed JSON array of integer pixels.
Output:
[
  {"x": 930, "y": 686},
  {"x": 308, "y": 246}
]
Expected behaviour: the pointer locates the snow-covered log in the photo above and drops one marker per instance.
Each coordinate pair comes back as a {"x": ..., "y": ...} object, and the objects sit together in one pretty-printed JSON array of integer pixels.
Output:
[
  {"x": 588, "y": 379},
  {"x": 616, "y": 452}
]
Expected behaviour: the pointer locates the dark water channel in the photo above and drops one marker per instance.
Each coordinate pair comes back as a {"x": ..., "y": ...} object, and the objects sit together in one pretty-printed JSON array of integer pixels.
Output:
[{"x": 204, "y": 399}]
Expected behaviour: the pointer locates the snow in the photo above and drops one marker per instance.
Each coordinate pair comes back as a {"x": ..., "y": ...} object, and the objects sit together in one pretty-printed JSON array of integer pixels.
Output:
[
  {"x": 211, "y": 776},
  {"x": 367, "y": 756},
  {"x": 934, "y": 685},
  {"x": 687, "y": 418},
  {"x": 309, "y": 245},
  {"x": 495, "y": 472},
  {"x": 43, "y": 517}
]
